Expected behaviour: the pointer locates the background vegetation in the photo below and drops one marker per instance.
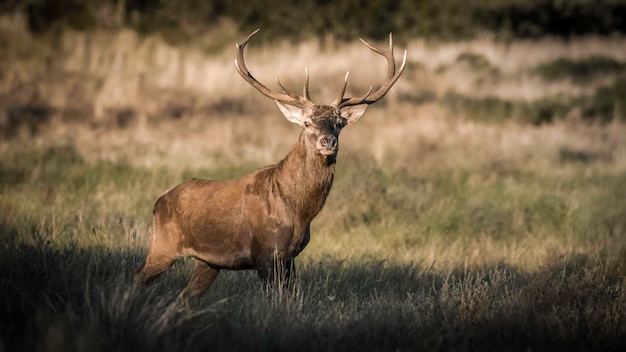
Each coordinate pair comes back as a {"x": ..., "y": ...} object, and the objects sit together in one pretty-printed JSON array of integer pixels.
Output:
[
  {"x": 480, "y": 205},
  {"x": 304, "y": 19}
]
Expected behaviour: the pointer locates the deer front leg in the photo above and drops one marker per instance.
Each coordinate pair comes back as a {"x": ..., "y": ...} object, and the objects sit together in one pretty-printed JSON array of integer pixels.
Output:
[
  {"x": 273, "y": 270},
  {"x": 277, "y": 272}
]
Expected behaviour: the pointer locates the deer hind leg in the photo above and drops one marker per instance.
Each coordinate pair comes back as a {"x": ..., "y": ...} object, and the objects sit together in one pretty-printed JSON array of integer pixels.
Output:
[
  {"x": 154, "y": 265},
  {"x": 163, "y": 252},
  {"x": 202, "y": 277}
]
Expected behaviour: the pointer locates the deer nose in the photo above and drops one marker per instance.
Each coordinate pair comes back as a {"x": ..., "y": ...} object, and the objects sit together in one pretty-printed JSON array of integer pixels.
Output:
[{"x": 329, "y": 142}]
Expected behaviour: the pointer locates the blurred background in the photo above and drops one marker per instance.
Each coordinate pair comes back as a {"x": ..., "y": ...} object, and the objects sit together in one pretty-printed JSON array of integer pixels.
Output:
[{"x": 114, "y": 62}]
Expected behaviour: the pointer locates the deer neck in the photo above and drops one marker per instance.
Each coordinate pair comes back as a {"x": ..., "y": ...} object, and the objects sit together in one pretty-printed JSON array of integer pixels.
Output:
[{"x": 306, "y": 178}]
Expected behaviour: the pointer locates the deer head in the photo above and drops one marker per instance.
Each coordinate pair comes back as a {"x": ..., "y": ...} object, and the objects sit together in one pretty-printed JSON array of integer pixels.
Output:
[{"x": 323, "y": 123}]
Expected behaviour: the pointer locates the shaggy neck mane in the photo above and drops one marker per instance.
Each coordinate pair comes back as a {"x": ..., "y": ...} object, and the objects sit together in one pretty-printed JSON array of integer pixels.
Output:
[{"x": 305, "y": 178}]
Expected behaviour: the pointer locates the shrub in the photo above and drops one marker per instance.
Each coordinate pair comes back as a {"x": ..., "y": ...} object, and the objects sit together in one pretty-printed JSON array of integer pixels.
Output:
[{"x": 579, "y": 71}]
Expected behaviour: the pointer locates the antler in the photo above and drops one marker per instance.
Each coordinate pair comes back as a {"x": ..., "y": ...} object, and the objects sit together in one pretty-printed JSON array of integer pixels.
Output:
[
  {"x": 285, "y": 97},
  {"x": 392, "y": 77}
]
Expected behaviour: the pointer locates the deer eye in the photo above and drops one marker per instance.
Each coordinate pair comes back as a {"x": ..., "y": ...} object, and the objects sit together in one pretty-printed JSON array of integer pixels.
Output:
[{"x": 307, "y": 124}]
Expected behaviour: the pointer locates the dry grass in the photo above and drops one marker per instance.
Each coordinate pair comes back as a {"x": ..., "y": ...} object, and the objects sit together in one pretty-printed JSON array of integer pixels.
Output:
[
  {"x": 100, "y": 73},
  {"x": 512, "y": 63},
  {"x": 419, "y": 144}
]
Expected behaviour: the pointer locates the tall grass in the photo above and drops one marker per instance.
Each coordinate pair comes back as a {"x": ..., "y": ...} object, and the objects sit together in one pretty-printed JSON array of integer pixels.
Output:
[
  {"x": 81, "y": 298},
  {"x": 452, "y": 177}
]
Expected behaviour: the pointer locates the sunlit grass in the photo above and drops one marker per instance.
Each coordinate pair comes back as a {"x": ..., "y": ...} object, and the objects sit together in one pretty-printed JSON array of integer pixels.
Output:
[{"x": 450, "y": 192}]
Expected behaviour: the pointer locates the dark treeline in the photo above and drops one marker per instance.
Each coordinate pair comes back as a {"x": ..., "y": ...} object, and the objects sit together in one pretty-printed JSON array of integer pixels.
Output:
[{"x": 181, "y": 20}]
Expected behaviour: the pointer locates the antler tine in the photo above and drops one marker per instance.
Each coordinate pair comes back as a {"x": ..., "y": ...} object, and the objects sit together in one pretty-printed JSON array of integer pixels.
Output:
[
  {"x": 390, "y": 80},
  {"x": 369, "y": 91},
  {"x": 339, "y": 98},
  {"x": 373, "y": 48},
  {"x": 286, "y": 97},
  {"x": 288, "y": 93},
  {"x": 305, "y": 89}
]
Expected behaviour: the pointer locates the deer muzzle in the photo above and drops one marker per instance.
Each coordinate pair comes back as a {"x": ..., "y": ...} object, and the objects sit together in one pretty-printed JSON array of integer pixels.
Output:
[{"x": 328, "y": 145}]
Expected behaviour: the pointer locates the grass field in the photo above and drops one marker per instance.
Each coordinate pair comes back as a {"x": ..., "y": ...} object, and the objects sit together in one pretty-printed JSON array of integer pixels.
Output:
[{"x": 461, "y": 218}]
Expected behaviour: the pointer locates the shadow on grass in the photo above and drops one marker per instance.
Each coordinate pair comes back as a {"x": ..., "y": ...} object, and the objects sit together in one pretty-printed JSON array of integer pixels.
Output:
[{"x": 82, "y": 299}]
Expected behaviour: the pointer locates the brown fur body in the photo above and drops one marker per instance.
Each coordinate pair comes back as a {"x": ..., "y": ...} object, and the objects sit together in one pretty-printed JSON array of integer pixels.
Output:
[{"x": 260, "y": 221}]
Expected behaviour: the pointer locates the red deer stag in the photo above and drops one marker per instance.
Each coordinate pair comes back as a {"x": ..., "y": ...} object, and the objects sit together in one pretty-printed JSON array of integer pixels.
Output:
[{"x": 260, "y": 221}]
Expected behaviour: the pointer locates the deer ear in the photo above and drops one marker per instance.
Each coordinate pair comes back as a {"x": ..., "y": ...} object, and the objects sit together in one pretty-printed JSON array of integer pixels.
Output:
[
  {"x": 292, "y": 113},
  {"x": 353, "y": 113}
]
